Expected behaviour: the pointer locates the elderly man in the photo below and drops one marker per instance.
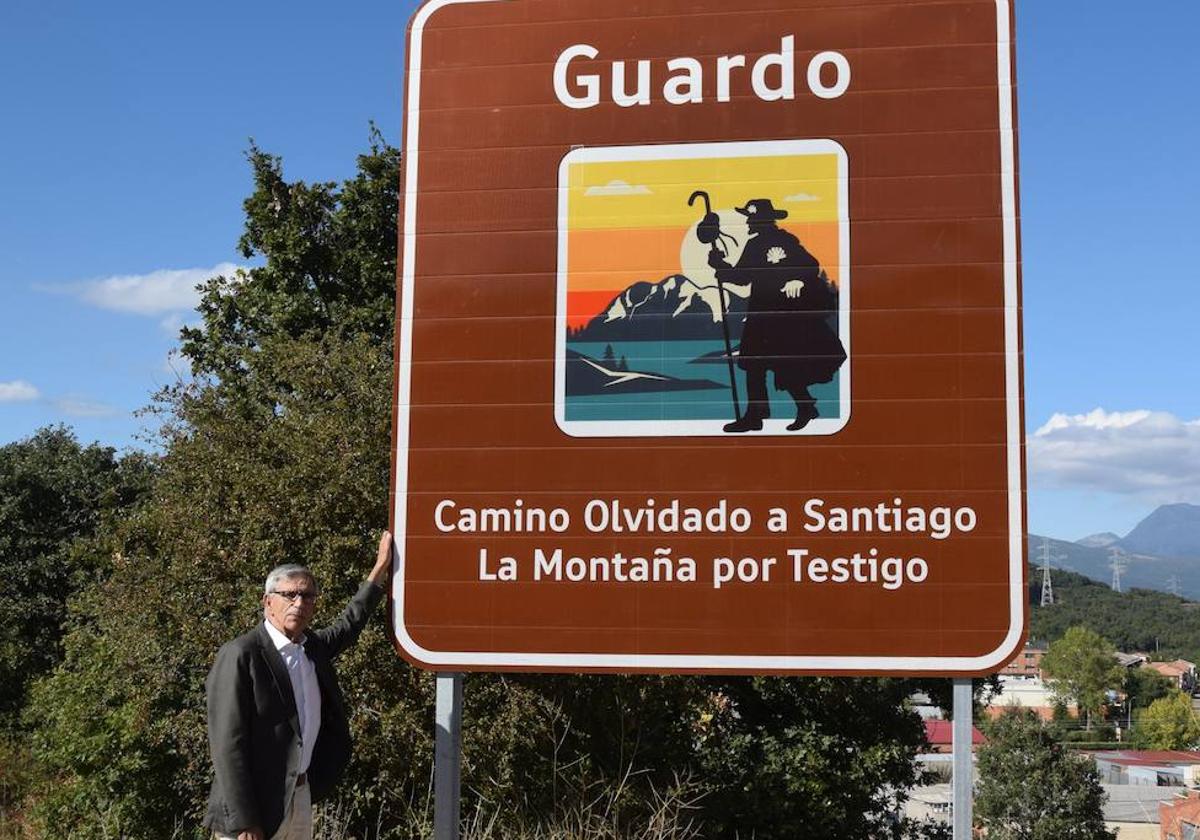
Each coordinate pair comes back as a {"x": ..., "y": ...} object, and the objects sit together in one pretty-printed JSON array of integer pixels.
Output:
[{"x": 277, "y": 723}]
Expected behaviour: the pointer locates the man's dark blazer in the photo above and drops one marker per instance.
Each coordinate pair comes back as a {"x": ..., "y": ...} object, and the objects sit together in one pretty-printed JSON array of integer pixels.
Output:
[{"x": 254, "y": 730}]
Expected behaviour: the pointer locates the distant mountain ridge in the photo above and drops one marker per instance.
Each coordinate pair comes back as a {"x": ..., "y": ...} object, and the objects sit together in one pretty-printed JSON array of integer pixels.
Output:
[
  {"x": 1170, "y": 531},
  {"x": 1162, "y": 552},
  {"x": 1101, "y": 540}
]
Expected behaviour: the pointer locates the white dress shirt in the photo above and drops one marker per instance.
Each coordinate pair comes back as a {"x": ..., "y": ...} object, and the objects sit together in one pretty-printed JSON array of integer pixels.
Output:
[{"x": 305, "y": 688}]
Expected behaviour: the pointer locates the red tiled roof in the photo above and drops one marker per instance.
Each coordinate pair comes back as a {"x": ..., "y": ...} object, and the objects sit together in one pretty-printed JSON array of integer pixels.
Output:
[
  {"x": 1171, "y": 669},
  {"x": 942, "y": 732}
]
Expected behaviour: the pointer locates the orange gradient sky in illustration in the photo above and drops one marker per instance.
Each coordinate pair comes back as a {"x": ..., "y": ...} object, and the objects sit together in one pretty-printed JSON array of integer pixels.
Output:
[{"x": 627, "y": 220}]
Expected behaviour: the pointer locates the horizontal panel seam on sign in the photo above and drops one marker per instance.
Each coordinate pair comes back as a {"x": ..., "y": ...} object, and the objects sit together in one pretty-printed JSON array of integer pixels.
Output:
[
  {"x": 915, "y": 401},
  {"x": 426, "y": 364},
  {"x": 469, "y": 230},
  {"x": 841, "y": 181},
  {"x": 693, "y": 498},
  {"x": 858, "y": 224},
  {"x": 859, "y": 267},
  {"x": 792, "y": 447},
  {"x": 851, "y": 95},
  {"x": 533, "y": 320},
  {"x": 526, "y": 25},
  {"x": 717, "y": 397},
  {"x": 723, "y": 138}
]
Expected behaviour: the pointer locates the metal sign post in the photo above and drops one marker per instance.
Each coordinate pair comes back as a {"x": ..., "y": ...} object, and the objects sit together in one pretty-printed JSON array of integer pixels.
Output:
[
  {"x": 964, "y": 771},
  {"x": 447, "y": 761}
]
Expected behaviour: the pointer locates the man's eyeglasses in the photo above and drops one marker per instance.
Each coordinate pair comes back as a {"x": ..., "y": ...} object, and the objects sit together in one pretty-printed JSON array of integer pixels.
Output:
[{"x": 292, "y": 594}]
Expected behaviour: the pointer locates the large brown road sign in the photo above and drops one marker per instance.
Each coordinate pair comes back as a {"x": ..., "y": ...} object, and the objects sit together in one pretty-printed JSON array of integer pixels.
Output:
[{"x": 708, "y": 338}]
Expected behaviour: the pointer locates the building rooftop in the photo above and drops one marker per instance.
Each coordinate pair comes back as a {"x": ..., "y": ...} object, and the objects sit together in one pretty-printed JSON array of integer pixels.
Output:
[
  {"x": 1175, "y": 668},
  {"x": 1135, "y": 803},
  {"x": 942, "y": 732},
  {"x": 1143, "y": 758}
]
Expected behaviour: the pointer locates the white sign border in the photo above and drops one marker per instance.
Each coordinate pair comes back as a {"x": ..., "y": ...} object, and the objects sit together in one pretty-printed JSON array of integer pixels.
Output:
[
  {"x": 695, "y": 151},
  {"x": 459, "y": 660}
]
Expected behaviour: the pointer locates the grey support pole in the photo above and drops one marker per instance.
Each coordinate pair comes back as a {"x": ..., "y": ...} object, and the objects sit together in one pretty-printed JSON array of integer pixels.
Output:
[
  {"x": 964, "y": 771},
  {"x": 447, "y": 756}
]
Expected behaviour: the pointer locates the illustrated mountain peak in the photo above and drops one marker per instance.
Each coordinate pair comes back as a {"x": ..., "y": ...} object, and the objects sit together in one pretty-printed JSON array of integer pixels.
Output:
[{"x": 675, "y": 308}]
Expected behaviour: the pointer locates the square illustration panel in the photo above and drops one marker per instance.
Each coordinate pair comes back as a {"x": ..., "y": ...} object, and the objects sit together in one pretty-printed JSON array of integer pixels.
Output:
[{"x": 703, "y": 289}]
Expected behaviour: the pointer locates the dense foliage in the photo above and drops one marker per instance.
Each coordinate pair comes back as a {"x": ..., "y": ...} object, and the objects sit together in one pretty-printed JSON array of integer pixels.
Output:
[
  {"x": 1033, "y": 788},
  {"x": 53, "y": 493},
  {"x": 279, "y": 449},
  {"x": 1169, "y": 723},
  {"x": 1145, "y": 685}
]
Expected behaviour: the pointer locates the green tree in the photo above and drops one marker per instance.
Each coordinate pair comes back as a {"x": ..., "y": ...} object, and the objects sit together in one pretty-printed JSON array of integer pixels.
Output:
[
  {"x": 1031, "y": 788},
  {"x": 53, "y": 491},
  {"x": 1145, "y": 685},
  {"x": 812, "y": 758},
  {"x": 329, "y": 253},
  {"x": 1168, "y": 724},
  {"x": 1081, "y": 667}
]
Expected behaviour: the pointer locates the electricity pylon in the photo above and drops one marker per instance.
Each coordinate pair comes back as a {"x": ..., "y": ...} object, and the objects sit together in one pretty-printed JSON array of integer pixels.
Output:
[
  {"x": 1047, "y": 587},
  {"x": 1116, "y": 559}
]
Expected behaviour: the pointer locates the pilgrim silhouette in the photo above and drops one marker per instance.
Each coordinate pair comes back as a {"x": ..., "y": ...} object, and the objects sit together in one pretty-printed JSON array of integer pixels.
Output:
[{"x": 787, "y": 328}]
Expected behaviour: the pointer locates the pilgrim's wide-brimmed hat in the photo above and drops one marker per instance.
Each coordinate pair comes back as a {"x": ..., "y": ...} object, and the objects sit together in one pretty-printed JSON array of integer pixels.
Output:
[{"x": 759, "y": 209}]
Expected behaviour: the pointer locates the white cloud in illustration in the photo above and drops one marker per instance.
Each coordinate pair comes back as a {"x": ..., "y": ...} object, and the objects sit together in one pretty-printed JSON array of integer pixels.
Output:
[
  {"x": 1152, "y": 455},
  {"x": 18, "y": 390},
  {"x": 619, "y": 188},
  {"x": 156, "y": 293}
]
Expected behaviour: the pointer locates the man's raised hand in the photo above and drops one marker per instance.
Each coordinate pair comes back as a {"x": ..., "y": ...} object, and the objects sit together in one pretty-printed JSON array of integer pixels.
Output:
[{"x": 383, "y": 560}]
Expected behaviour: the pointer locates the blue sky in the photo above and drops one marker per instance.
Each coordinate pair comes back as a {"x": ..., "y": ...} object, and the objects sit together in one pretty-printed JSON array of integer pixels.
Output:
[{"x": 122, "y": 162}]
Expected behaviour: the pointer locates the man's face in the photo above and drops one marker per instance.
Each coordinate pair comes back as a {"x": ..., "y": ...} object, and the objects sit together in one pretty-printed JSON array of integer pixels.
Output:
[{"x": 291, "y": 616}]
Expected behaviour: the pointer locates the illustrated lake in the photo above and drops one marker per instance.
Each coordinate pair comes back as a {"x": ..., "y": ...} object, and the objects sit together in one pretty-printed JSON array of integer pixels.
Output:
[{"x": 678, "y": 359}]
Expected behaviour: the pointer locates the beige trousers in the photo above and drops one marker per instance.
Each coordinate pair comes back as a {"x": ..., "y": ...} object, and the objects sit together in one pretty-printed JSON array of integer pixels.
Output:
[{"x": 297, "y": 822}]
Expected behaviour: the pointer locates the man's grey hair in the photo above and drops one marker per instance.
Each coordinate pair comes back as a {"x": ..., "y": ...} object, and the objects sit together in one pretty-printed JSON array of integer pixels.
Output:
[{"x": 289, "y": 570}]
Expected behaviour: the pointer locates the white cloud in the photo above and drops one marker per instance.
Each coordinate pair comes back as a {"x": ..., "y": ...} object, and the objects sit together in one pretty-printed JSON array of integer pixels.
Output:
[
  {"x": 802, "y": 196},
  {"x": 1152, "y": 455},
  {"x": 77, "y": 407},
  {"x": 166, "y": 290},
  {"x": 619, "y": 188},
  {"x": 18, "y": 390}
]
